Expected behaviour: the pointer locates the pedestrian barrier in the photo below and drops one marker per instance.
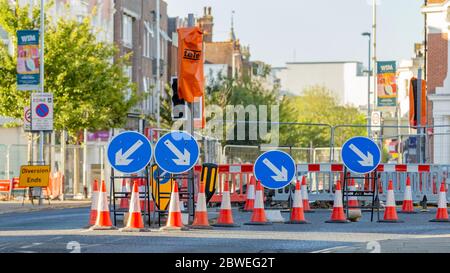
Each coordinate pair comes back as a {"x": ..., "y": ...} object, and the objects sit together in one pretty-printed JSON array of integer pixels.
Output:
[
  {"x": 423, "y": 177},
  {"x": 5, "y": 187}
]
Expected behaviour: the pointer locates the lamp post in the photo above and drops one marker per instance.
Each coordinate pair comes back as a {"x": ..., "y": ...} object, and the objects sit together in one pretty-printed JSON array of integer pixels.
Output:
[{"x": 369, "y": 72}]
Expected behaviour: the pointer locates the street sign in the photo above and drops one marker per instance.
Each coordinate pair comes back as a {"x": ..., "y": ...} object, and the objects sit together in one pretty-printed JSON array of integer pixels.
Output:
[
  {"x": 41, "y": 111},
  {"x": 34, "y": 176},
  {"x": 129, "y": 152},
  {"x": 361, "y": 155},
  {"x": 376, "y": 121},
  {"x": 275, "y": 169},
  {"x": 26, "y": 118},
  {"x": 176, "y": 152},
  {"x": 163, "y": 176}
]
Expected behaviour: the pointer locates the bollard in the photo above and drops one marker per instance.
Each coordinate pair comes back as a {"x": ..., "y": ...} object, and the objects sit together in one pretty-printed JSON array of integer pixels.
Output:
[{"x": 423, "y": 203}]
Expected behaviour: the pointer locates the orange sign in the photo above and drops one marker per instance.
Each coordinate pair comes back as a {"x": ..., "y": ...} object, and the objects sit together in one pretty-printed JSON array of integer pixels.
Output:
[
  {"x": 34, "y": 176},
  {"x": 190, "y": 63}
]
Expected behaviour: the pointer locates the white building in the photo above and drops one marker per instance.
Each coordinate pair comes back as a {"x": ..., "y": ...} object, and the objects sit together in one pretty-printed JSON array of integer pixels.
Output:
[{"x": 346, "y": 80}]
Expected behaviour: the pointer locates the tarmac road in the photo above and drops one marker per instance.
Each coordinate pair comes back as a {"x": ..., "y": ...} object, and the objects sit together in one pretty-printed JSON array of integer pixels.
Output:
[{"x": 63, "y": 231}]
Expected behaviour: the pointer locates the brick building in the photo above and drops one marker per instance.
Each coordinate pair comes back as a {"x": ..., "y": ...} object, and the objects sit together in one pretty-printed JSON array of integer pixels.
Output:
[{"x": 438, "y": 79}]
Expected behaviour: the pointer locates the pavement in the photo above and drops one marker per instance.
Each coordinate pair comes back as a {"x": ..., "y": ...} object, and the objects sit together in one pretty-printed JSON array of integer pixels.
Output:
[
  {"x": 27, "y": 206},
  {"x": 63, "y": 230}
]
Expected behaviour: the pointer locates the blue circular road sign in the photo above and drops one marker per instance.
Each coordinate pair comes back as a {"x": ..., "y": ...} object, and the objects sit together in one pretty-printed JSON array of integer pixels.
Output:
[
  {"x": 275, "y": 169},
  {"x": 129, "y": 152},
  {"x": 361, "y": 155},
  {"x": 176, "y": 152},
  {"x": 163, "y": 176}
]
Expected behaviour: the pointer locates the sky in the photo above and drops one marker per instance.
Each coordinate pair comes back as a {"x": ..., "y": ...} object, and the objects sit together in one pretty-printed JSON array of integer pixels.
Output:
[{"x": 298, "y": 30}]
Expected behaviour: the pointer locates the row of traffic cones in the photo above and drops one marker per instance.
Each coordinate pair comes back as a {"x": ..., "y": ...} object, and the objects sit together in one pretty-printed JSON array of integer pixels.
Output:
[{"x": 100, "y": 217}]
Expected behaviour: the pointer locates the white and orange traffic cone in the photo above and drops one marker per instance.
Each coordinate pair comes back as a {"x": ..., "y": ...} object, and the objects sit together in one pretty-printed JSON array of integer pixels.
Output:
[
  {"x": 390, "y": 210},
  {"x": 201, "y": 213},
  {"x": 135, "y": 222},
  {"x": 174, "y": 219},
  {"x": 225, "y": 218},
  {"x": 354, "y": 211},
  {"x": 103, "y": 221},
  {"x": 306, "y": 207},
  {"x": 407, "y": 206},
  {"x": 338, "y": 216},
  {"x": 124, "y": 201},
  {"x": 442, "y": 213},
  {"x": 250, "y": 201},
  {"x": 258, "y": 214},
  {"x": 297, "y": 215},
  {"x": 94, "y": 204}
]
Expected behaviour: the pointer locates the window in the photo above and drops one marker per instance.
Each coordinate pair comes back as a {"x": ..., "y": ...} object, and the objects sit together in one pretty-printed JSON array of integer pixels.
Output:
[
  {"x": 128, "y": 71},
  {"x": 127, "y": 30},
  {"x": 148, "y": 34}
]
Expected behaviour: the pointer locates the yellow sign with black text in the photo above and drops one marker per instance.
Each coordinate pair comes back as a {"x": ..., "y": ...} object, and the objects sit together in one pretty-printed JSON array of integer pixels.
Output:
[{"x": 34, "y": 176}]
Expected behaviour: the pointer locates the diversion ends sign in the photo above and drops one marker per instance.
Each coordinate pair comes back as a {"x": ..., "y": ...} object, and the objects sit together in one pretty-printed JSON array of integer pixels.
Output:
[{"x": 34, "y": 176}]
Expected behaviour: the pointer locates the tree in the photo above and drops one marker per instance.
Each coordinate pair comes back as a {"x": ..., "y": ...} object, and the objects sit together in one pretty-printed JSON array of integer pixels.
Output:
[
  {"x": 90, "y": 90},
  {"x": 316, "y": 106}
]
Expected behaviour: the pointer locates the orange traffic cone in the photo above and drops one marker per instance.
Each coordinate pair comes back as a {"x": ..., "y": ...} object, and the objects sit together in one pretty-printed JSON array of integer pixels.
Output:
[
  {"x": 201, "y": 214},
  {"x": 390, "y": 210},
  {"x": 250, "y": 202},
  {"x": 442, "y": 213},
  {"x": 124, "y": 202},
  {"x": 135, "y": 221},
  {"x": 407, "y": 206},
  {"x": 259, "y": 215},
  {"x": 174, "y": 220},
  {"x": 94, "y": 204},
  {"x": 338, "y": 216},
  {"x": 103, "y": 221},
  {"x": 297, "y": 215},
  {"x": 306, "y": 207},
  {"x": 225, "y": 218}
]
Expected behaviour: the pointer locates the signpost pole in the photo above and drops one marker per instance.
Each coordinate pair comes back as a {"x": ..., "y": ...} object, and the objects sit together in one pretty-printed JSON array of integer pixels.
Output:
[
  {"x": 41, "y": 70},
  {"x": 190, "y": 129},
  {"x": 419, "y": 116}
]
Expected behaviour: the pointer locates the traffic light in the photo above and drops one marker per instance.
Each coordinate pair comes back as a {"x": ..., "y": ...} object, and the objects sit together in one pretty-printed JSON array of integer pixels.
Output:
[
  {"x": 178, "y": 105},
  {"x": 413, "y": 111}
]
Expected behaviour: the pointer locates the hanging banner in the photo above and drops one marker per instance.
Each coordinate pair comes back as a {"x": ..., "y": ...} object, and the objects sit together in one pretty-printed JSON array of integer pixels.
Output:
[
  {"x": 28, "y": 77},
  {"x": 386, "y": 84},
  {"x": 190, "y": 63}
]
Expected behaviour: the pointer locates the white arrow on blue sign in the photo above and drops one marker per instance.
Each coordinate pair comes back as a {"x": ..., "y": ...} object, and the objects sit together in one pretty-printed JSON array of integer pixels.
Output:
[
  {"x": 275, "y": 169},
  {"x": 163, "y": 176},
  {"x": 176, "y": 152},
  {"x": 361, "y": 155},
  {"x": 129, "y": 152}
]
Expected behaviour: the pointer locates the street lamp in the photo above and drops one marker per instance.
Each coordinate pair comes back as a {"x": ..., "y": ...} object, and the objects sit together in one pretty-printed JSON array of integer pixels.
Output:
[{"x": 368, "y": 84}]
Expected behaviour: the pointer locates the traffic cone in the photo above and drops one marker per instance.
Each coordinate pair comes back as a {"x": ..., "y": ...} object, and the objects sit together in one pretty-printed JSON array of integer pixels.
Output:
[
  {"x": 354, "y": 212},
  {"x": 135, "y": 222},
  {"x": 124, "y": 202},
  {"x": 250, "y": 202},
  {"x": 297, "y": 215},
  {"x": 94, "y": 204},
  {"x": 442, "y": 213},
  {"x": 390, "y": 210},
  {"x": 407, "y": 206},
  {"x": 306, "y": 207},
  {"x": 225, "y": 218},
  {"x": 201, "y": 213},
  {"x": 338, "y": 216},
  {"x": 103, "y": 221},
  {"x": 174, "y": 220},
  {"x": 258, "y": 215}
]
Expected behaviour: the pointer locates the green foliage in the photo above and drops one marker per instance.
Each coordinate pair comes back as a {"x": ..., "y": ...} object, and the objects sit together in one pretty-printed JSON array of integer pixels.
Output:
[
  {"x": 318, "y": 106},
  {"x": 89, "y": 89}
]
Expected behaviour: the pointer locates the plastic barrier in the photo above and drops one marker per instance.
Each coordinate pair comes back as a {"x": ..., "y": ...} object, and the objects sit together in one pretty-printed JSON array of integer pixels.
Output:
[
  {"x": 5, "y": 187},
  {"x": 238, "y": 174},
  {"x": 424, "y": 180}
]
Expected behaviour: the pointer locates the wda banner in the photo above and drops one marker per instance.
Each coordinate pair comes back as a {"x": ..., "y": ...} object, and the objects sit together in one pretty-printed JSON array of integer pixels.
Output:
[
  {"x": 386, "y": 84},
  {"x": 28, "y": 63}
]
